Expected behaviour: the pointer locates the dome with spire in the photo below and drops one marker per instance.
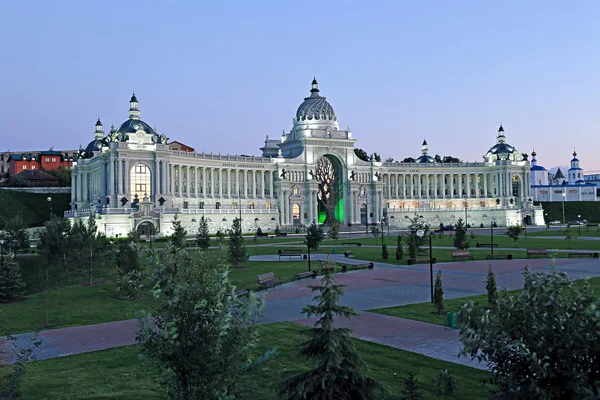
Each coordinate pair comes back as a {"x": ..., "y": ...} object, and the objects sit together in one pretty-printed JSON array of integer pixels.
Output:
[
  {"x": 502, "y": 150},
  {"x": 425, "y": 157},
  {"x": 134, "y": 123},
  {"x": 315, "y": 107}
]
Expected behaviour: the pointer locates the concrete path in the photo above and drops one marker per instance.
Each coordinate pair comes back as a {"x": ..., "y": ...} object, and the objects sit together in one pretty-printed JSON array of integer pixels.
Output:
[{"x": 385, "y": 286}]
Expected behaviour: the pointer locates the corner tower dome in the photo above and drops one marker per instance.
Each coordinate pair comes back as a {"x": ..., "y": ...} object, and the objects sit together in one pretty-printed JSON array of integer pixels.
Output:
[{"x": 315, "y": 107}]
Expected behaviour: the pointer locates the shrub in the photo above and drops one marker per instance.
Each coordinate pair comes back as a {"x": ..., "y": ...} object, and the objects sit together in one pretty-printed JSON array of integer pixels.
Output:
[
  {"x": 490, "y": 286},
  {"x": 384, "y": 252},
  {"x": 411, "y": 388},
  {"x": 399, "y": 250},
  {"x": 445, "y": 383},
  {"x": 438, "y": 293}
]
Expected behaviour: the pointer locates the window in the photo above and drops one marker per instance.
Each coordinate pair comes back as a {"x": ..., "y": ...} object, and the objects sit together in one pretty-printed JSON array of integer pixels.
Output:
[
  {"x": 47, "y": 159},
  {"x": 268, "y": 205},
  {"x": 24, "y": 166},
  {"x": 53, "y": 159},
  {"x": 296, "y": 190},
  {"x": 217, "y": 205},
  {"x": 140, "y": 181},
  {"x": 251, "y": 206},
  {"x": 32, "y": 167},
  {"x": 185, "y": 205},
  {"x": 201, "y": 205},
  {"x": 572, "y": 191}
]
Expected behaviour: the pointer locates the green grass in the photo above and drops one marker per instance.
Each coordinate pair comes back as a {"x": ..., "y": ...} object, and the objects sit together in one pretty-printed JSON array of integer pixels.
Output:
[
  {"x": 119, "y": 374},
  {"x": 246, "y": 278},
  {"x": 425, "y": 312},
  {"x": 33, "y": 207}
]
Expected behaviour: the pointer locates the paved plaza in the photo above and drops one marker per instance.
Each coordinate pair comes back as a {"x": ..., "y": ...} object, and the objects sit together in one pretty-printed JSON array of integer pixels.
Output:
[{"x": 385, "y": 286}]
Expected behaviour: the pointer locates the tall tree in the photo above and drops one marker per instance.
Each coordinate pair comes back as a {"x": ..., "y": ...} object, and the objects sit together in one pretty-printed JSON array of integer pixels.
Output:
[
  {"x": 130, "y": 274},
  {"x": 89, "y": 243},
  {"x": 199, "y": 334},
  {"x": 460, "y": 238},
  {"x": 203, "y": 237},
  {"x": 13, "y": 232},
  {"x": 54, "y": 242},
  {"x": 328, "y": 189},
  {"x": 492, "y": 289},
  {"x": 236, "y": 249},
  {"x": 399, "y": 251},
  {"x": 179, "y": 235},
  {"x": 12, "y": 285},
  {"x": 437, "y": 158},
  {"x": 336, "y": 364},
  {"x": 540, "y": 343},
  {"x": 314, "y": 236},
  {"x": 514, "y": 232},
  {"x": 438, "y": 293}
]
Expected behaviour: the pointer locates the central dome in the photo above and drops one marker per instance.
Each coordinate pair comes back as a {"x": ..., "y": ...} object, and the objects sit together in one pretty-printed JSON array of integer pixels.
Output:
[
  {"x": 315, "y": 107},
  {"x": 134, "y": 125}
]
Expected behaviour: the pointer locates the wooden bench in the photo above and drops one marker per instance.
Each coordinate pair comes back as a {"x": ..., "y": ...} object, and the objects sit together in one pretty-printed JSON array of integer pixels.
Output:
[
  {"x": 499, "y": 257},
  {"x": 412, "y": 261},
  {"x": 461, "y": 255},
  {"x": 281, "y": 234},
  {"x": 357, "y": 244},
  {"x": 582, "y": 255},
  {"x": 495, "y": 245},
  {"x": 345, "y": 268},
  {"x": 537, "y": 253},
  {"x": 304, "y": 275},
  {"x": 269, "y": 279},
  {"x": 242, "y": 292},
  {"x": 289, "y": 253}
]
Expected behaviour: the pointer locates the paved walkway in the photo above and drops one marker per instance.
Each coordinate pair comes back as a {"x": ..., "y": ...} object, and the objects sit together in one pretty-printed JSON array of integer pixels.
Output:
[{"x": 385, "y": 286}]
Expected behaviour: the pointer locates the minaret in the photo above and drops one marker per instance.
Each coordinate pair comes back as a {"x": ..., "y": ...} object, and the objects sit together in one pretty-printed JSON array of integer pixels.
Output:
[
  {"x": 501, "y": 138},
  {"x": 533, "y": 160},
  {"x": 424, "y": 148},
  {"x": 314, "y": 91},
  {"x": 134, "y": 112},
  {"x": 99, "y": 134}
]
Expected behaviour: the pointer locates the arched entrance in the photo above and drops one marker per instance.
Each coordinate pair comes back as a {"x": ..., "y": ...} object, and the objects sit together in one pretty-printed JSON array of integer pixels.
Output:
[
  {"x": 296, "y": 214},
  {"x": 363, "y": 214},
  {"x": 146, "y": 228},
  {"x": 330, "y": 179},
  {"x": 527, "y": 220},
  {"x": 516, "y": 189}
]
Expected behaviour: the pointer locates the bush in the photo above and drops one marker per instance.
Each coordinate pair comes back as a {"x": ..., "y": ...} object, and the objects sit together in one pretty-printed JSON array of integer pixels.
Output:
[
  {"x": 384, "y": 252},
  {"x": 411, "y": 388},
  {"x": 130, "y": 284},
  {"x": 399, "y": 250},
  {"x": 438, "y": 293},
  {"x": 12, "y": 285},
  {"x": 481, "y": 225},
  {"x": 445, "y": 383}
]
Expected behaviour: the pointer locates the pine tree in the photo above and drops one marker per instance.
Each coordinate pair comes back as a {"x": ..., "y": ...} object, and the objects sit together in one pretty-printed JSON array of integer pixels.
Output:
[
  {"x": 438, "y": 293},
  {"x": 460, "y": 235},
  {"x": 411, "y": 389},
  {"x": 236, "y": 250},
  {"x": 179, "y": 234},
  {"x": 399, "y": 250},
  {"x": 336, "y": 373},
  {"x": 11, "y": 283},
  {"x": 384, "y": 252},
  {"x": 334, "y": 232},
  {"x": 314, "y": 236},
  {"x": 203, "y": 238},
  {"x": 491, "y": 287},
  {"x": 130, "y": 274}
]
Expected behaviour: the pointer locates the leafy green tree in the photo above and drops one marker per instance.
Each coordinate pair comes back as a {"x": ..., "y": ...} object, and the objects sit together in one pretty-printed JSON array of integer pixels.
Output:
[
  {"x": 514, "y": 232},
  {"x": 135, "y": 236},
  {"x": 413, "y": 245},
  {"x": 88, "y": 246},
  {"x": 12, "y": 285},
  {"x": 540, "y": 343},
  {"x": 199, "y": 334},
  {"x": 460, "y": 235},
  {"x": 438, "y": 293},
  {"x": 375, "y": 231},
  {"x": 413, "y": 241},
  {"x": 376, "y": 157},
  {"x": 437, "y": 158},
  {"x": 384, "y": 252},
  {"x": 18, "y": 180},
  {"x": 236, "y": 250},
  {"x": 63, "y": 174},
  {"x": 54, "y": 242},
  {"x": 334, "y": 231},
  {"x": 336, "y": 365},
  {"x": 492, "y": 289},
  {"x": 411, "y": 388},
  {"x": 570, "y": 234},
  {"x": 179, "y": 235},
  {"x": 408, "y": 160},
  {"x": 361, "y": 154},
  {"x": 13, "y": 232},
  {"x": 314, "y": 236},
  {"x": 203, "y": 237},
  {"x": 130, "y": 275},
  {"x": 399, "y": 250},
  {"x": 445, "y": 383},
  {"x": 450, "y": 159}
]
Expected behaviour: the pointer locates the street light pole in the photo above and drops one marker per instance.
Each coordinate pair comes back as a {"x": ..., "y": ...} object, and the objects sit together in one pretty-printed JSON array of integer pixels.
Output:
[
  {"x": 579, "y": 224},
  {"x": 431, "y": 267},
  {"x": 564, "y": 195},
  {"x": 466, "y": 215},
  {"x": 49, "y": 199},
  {"x": 366, "y": 218},
  {"x": 492, "y": 236},
  {"x": 2, "y": 253}
]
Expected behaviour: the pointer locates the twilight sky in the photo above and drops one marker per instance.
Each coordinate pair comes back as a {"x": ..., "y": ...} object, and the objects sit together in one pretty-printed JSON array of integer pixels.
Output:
[{"x": 219, "y": 76}]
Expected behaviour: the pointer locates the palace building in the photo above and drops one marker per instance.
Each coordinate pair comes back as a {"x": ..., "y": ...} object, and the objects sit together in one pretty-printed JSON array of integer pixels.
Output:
[{"x": 131, "y": 178}]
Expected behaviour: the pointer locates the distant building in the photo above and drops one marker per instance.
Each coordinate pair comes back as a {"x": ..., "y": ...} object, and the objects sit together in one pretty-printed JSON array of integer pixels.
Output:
[
  {"x": 592, "y": 178},
  {"x": 13, "y": 162},
  {"x": 572, "y": 187},
  {"x": 178, "y": 146}
]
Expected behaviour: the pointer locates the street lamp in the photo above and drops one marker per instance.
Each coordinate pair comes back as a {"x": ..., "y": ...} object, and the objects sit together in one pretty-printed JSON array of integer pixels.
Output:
[
  {"x": 2, "y": 253},
  {"x": 546, "y": 220},
  {"x": 579, "y": 224},
  {"x": 466, "y": 216},
  {"x": 420, "y": 234},
  {"x": 492, "y": 236},
  {"x": 49, "y": 199},
  {"x": 366, "y": 218},
  {"x": 564, "y": 196}
]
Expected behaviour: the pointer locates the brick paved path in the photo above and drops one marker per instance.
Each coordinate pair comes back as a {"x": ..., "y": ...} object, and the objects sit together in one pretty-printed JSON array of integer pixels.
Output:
[{"x": 385, "y": 286}]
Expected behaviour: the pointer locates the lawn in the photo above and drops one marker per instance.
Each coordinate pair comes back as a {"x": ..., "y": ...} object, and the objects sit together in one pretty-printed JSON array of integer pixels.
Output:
[
  {"x": 119, "y": 374},
  {"x": 425, "y": 311},
  {"x": 33, "y": 207}
]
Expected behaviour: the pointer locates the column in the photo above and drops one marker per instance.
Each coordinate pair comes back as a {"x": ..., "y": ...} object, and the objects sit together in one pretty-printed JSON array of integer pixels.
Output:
[
  {"x": 245, "y": 183},
  {"x": 254, "y": 185},
  {"x": 187, "y": 180},
  {"x": 119, "y": 175},
  {"x": 476, "y": 177},
  {"x": 427, "y": 186},
  {"x": 127, "y": 189},
  {"x": 220, "y": 173},
  {"x": 212, "y": 182},
  {"x": 419, "y": 192},
  {"x": 485, "y": 190},
  {"x": 403, "y": 186},
  {"x": 228, "y": 183},
  {"x": 111, "y": 176},
  {"x": 459, "y": 185},
  {"x": 451, "y": 186},
  {"x": 204, "y": 182},
  {"x": 389, "y": 188},
  {"x": 271, "y": 184},
  {"x": 310, "y": 207},
  {"x": 237, "y": 183},
  {"x": 508, "y": 184},
  {"x": 284, "y": 204},
  {"x": 468, "y": 184},
  {"x": 435, "y": 186},
  {"x": 262, "y": 188}
]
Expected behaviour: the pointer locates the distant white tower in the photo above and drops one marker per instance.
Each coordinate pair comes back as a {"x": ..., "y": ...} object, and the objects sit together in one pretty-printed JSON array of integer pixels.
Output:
[
  {"x": 538, "y": 174},
  {"x": 575, "y": 173}
]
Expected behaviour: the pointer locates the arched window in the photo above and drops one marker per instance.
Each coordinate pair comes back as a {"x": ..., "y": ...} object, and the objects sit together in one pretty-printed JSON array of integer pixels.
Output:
[{"x": 140, "y": 181}]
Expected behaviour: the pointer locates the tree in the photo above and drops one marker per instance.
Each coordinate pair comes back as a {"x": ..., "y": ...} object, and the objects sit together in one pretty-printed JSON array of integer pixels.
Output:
[
  {"x": 399, "y": 251},
  {"x": 12, "y": 285},
  {"x": 179, "y": 235},
  {"x": 492, "y": 289},
  {"x": 540, "y": 343},
  {"x": 203, "y": 237},
  {"x": 87, "y": 245},
  {"x": 513, "y": 232},
  {"x": 54, "y": 242},
  {"x": 411, "y": 388},
  {"x": 314, "y": 236},
  {"x": 329, "y": 186},
  {"x": 62, "y": 173},
  {"x": 361, "y": 154},
  {"x": 376, "y": 157},
  {"x": 334, "y": 231},
  {"x": 384, "y": 252},
  {"x": 438, "y": 293},
  {"x": 236, "y": 249},
  {"x": 408, "y": 160},
  {"x": 375, "y": 231},
  {"x": 130, "y": 275},
  {"x": 437, "y": 158},
  {"x": 336, "y": 364},
  {"x": 450, "y": 159},
  {"x": 14, "y": 234},
  {"x": 413, "y": 241},
  {"x": 460, "y": 235},
  {"x": 18, "y": 180},
  {"x": 199, "y": 335},
  {"x": 570, "y": 234},
  {"x": 389, "y": 160}
]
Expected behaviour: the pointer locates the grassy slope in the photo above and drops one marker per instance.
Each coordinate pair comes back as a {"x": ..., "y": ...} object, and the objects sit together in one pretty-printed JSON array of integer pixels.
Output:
[
  {"x": 33, "y": 207},
  {"x": 425, "y": 311},
  {"x": 119, "y": 374}
]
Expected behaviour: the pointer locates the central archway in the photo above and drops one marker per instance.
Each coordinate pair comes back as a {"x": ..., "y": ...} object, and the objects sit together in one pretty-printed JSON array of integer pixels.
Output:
[{"x": 329, "y": 176}]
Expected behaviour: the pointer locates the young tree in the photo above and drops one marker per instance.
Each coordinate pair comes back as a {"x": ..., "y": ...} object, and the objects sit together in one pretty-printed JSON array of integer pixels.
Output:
[
  {"x": 54, "y": 242},
  {"x": 384, "y": 252},
  {"x": 570, "y": 234},
  {"x": 411, "y": 389},
  {"x": 492, "y": 289},
  {"x": 203, "y": 237},
  {"x": 399, "y": 251},
  {"x": 525, "y": 337},
  {"x": 334, "y": 231},
  {"x": 314, "y": 236},
  {"x": 236, "y": 250},
  {"x": 438, "y": 293},
  {"x": 179, "y": 235},
  {"x": 200, "y": 335},
  {"x": 412, "y": 242},
  {"x": 12, "y": 285},
  {"x": 514, "y": 232},
  {"x": 87, "y": 245},
  {"x": 336, "y": 364},
  {"x": 375, "y": 232},
  {"x": 13, "y": 232},
  {"x": 460, "y": 235},
  {"x": 130, "y": 275}
]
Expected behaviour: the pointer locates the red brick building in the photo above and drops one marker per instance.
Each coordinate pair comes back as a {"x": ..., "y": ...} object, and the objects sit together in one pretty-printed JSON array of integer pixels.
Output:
[{"x": 45, "y": 160}]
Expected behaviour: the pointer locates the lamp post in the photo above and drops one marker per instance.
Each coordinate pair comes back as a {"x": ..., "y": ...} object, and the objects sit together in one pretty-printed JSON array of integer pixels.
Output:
[
  {"x": 546, "y": 220},
  {"x": 420, "y": 234},
  {"x": 49, "y": 199},
  {"x": 564, "y": 196},
  {"x": 382, "y": 231},
  {"x": 2, "y": 253},
  {"x": 366, "y": 218},
  {"x": 579, "y": 224},
  {"x": 466, "y": 215},
  {"x": 492, "y": 236}
]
